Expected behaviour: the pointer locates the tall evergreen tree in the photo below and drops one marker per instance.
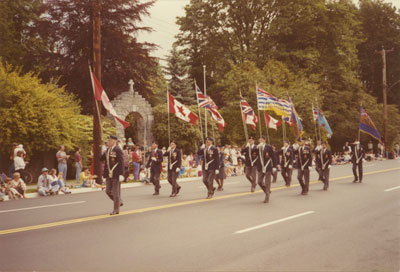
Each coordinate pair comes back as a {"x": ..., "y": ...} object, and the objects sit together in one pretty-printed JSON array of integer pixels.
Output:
[{"x": 180, "y": 85}]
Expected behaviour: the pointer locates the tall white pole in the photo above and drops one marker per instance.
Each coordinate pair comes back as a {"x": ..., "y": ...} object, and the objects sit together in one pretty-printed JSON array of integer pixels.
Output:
[{"x": 205, "y": 93}]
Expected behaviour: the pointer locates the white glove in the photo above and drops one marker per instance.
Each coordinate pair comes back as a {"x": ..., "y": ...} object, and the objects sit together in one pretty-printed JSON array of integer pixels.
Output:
[
  {"x": 309, "y": 168},
  {"x": 178, "y": 169},
  {"x": 169, "y": 149},
  {"x": 202, "y": 146},
  {"x": 329, "y": 166},
  {"x": 154, "y": 159},
  {"x": 216, "y": 172},
  {"x": 247, "y": 145},
  {"x": 363, "y": 160},
  {"x": 274, "y": 169},
  {"x": 290, "y": 167}
]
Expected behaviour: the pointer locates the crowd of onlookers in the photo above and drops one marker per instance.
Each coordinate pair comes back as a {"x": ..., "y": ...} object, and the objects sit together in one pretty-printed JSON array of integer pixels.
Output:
[{"x": 135, "y": 157}]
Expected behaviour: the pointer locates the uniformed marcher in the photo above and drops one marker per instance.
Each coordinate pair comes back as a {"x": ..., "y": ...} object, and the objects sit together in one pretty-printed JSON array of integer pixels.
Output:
[
  {"x": 155, "y": 165},
  {"x": 174, "y": 166},
  {"x": 317, "y": 151},
  {"x": 221, "y": 175},
  {"x": 276, "y": 158},
  {"x": 266, "y": 165},
  {"x": 113, "y": 169},
  {"x": 250, "y": 152},
  {"x": 210, "y": 166},
  {"x": 324, "y": 164},
  {"x": 304, "y": 163},
  {"x": 357, "y": 156},
  {"x": 287, "y": 163}
]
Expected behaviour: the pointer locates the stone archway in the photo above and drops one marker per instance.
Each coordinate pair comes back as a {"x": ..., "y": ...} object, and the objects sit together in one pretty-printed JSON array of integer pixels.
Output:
[{"x": 132, "y": 102}]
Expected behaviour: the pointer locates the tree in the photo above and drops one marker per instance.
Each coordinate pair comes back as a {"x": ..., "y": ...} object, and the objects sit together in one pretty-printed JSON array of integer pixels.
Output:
[
  {"x": 380, "y": 26},
  {"x": 180, "y": 86},
  {"x": 19, "y": 43},
  {"x": 68, "y": 27}
]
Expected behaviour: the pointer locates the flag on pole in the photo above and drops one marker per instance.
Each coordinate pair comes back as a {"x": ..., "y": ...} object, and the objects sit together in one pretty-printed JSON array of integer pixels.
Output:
[
  {"x": 297, "y": 126},
  {"x": 249, "y": 116},
  {"x": 218, "y": 118},
  {"x": 100, "y": 95},
  {"x": 270, "y": 122},
  {"x": 315, "y": 113},
  {"x": 367, "y": 126},
  {"x": 181, "y": 111},
  {"x": 324, "y": 123},
  {"x": 204, "y": 101},
  {"x": 268, "y": 102}
]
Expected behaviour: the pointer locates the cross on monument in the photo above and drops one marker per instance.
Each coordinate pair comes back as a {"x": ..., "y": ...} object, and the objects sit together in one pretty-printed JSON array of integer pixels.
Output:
[{"x": 131, "y": 85}]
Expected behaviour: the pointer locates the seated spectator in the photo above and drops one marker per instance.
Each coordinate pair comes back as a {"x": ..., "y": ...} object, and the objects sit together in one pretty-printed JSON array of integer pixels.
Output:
[
  {"x": 62, "y": 183},
  {"x": 19, "y": 184},
  {"x": 2, "y": 193},
  {"x": 144, "y": 176},
  {"x": 58, "y": 180},
  {"x": 228, "y": 168},
  {"x": 44, "y": 186},
  {"x": 184, "y": 166},
  {"x": 239, "y": 168},
  {"x": 88, "y": 180},
  {"x": 10, "y": 190}
]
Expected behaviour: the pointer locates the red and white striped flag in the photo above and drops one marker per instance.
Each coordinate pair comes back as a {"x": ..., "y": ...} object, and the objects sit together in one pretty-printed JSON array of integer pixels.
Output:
[
  {"x": 271, "y": 122},
  {"x": 181, "y": 111},
  {"x": 101, "y": 95}
]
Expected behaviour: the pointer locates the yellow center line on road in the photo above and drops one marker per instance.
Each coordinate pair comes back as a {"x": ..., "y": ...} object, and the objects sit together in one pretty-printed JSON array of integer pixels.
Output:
[{"x": 183, "y": 203}]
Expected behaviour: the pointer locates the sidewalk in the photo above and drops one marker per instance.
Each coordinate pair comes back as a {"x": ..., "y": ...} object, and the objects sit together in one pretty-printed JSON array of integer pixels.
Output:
[{"x": 123, "y": 186}]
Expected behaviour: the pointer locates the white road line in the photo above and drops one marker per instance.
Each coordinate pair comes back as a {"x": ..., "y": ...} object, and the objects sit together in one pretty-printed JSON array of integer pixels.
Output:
[
  {"x": 391, "y": 189},
  {"x": 225, "y": 183},
  {"x": 273, "y": 222},
  {"x": 45, "y": 206}
]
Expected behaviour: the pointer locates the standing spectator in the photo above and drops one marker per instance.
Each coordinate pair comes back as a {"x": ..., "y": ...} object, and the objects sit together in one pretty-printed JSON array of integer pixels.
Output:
[
  {"x": 397, "y": 149},
  {"x": 19, "y": 147},
  {"x": 78, "y": 164},
  {"x": 12, "y": 164},
  {"x": 62, "y": 158},
  {"x": 18, "y": 184},
  {"x": 44, "y": 187},
  {"x": 136, "y": 159},
  {"x": 370, "y": 147},
  {"x": 234, "y": 156},
  {"x": 19, "y": 163},
  {"x": 125, "y": 155}
]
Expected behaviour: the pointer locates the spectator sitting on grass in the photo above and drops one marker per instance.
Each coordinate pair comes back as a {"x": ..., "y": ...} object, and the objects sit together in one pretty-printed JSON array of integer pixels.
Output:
[
  {"x": 10, "y": 190},
  {"x": 19, "y": 184},
  {"x": 44, "y": 186},
  {"x": 143, "y": 176},
  {"x": 88, "y": 180},
  {"x": 58, "y": 180},
  {"x": 62, "y": 183},
  {"x": 2, "y": 193}
]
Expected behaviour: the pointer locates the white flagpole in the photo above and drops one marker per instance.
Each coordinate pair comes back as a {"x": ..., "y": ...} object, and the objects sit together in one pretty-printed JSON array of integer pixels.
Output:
[
  {"x": 267, "y": 126},
  {"x": 258, "y": 109},
  {"x": 315, "y": 125},
  {"x": 95, "y": 101},
  {"x": 246, "y": 134},
  {"x": 169, "y": 129},
  {"x": 205, "y": 93},
  {"x": 198, "y": 107}
]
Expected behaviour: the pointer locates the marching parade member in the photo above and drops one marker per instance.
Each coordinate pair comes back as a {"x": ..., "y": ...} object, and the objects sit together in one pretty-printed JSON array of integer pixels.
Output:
[
  {"x": 304, "y": 163},
  {"x": 174, "y": 166},
  {"x": 251, "y": 158},
  {"x": 357, "y": 156},
  {"x": 276, "y": 158},
  {"x": 221, "y": 175},
  {"x": 265, "y": 167},
  {"x": 114, "y": 168},
  {"x": 317, "y": 151},
  {"x": 287, "y": 163},
  {"x": 155, "y": 165},
  {"x": 324, "y": 164},
  {"x": 210, "y": 165}
]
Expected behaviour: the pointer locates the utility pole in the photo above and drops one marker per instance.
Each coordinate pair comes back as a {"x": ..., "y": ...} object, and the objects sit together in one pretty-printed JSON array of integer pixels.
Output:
[
  {"x": 97, "y": 71},
  {"x": 384, "y": 86}
]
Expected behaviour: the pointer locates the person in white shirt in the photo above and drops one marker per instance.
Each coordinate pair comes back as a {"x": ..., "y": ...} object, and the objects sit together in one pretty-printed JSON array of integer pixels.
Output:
[
  {"x": 19, "y": 184},
  {"x": 19, "y": 163},
  {"x": 44, "y": 185},
  {"x": 19, "y": 147}
]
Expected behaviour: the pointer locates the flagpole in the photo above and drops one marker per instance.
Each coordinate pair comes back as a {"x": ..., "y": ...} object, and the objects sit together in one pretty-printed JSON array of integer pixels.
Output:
[
  {"x": 246, "y": 134},
  {"x": 266, "y": 127},
  {"x": 198, "y": 107},
  {"x": 95, "y": 101},
  {"x": 315, "y": 125},
  {"x": 169, "y": 129},
  {"x": 283, "y": 129},
  {"x": 258, "y": 109},
  {"x": 319, "y": 127},
  {"x": 205, "y": 93},
  {"x": 359, "y": 124}
]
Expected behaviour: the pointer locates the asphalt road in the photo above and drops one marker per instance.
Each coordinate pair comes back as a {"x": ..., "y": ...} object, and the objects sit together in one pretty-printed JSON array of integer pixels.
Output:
[{"x": 351, "y": 227}]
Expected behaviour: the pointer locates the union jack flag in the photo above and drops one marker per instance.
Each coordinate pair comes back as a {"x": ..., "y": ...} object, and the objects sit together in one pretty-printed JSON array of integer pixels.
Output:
[
  {"x": 248, "y": 114},
  {"x": 204, "y": 101}
]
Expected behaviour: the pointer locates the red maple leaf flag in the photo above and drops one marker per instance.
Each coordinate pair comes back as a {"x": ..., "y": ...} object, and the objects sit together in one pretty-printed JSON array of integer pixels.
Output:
[
  {"x": 271, "y": 122},
  {"x": 181, "y": 111},
  {"x": 101, "y": 95}
]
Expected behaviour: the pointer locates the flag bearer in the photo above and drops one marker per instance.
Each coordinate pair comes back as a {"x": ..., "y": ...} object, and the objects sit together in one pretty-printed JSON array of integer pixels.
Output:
[
  {"x": 357, "y": 156},
  {"x": 210, "y": 165},
  {"x": 251, "y": 158},
  {"x": 174, "y": 166},
  {"x": 304, "y": 163},
  {"x": 287, "y": 163}
]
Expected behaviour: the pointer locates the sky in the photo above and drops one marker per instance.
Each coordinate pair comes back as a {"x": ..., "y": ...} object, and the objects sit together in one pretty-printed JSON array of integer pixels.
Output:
[{"x": 163, "y": 21}]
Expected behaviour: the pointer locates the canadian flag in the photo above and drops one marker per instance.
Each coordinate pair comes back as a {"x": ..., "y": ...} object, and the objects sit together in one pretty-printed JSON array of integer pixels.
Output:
[
  {"x": 101, "y": 95},
  {"x": 181, "y": 111},
  {"x": 271, "y": 122}
]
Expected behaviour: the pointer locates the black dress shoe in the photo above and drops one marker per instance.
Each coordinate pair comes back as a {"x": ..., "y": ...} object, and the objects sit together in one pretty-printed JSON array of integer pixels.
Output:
[
  {"x": 156, "y": 193},
  {"x": 114, "y": 213},
  {"x": 354, "y": 181},
  {"x": 360, "y": 181},
  {"x": 121, "y": 204},
  {"x": 177, "y": 190}
]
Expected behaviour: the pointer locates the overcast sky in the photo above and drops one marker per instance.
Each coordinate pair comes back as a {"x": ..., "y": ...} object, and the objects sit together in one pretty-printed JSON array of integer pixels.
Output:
[{"x": 162, "y": 19}]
